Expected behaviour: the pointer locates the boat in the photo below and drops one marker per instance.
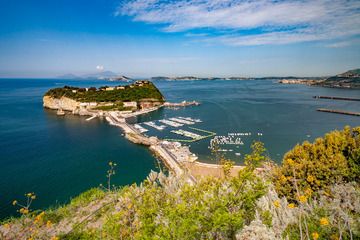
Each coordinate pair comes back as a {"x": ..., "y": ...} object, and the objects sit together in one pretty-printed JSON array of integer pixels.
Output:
[{"x": 60, "y": 112}]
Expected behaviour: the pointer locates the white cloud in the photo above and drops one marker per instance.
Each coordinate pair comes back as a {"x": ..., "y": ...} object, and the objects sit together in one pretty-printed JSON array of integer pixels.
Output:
[
  {"x": 100, "y": 67},
  {"x": 272, "y": 22}
]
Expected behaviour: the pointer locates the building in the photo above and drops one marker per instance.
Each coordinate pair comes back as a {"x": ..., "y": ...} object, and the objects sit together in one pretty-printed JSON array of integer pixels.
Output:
[
  {"x": 130, "y": 104},
  {"x": 109, "y": 89},
  {"x": 120, "y": 88}
]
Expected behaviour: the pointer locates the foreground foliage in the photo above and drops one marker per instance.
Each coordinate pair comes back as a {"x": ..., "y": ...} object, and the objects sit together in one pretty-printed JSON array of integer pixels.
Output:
[{"x": 252, "y": 205}]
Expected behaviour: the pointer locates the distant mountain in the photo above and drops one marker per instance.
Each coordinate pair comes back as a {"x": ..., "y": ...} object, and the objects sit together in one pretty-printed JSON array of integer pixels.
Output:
[
  {"x": 349, "y": 79},
  {"x": 105, "y": 75},
  {"x": 68, "y": 76},
  {"x": 101, "y": 75}
]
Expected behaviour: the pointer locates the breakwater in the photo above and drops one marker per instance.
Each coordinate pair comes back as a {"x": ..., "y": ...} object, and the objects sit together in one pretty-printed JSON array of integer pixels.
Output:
[
  {"x": 338, "y": 112},
  {"x": 337, "y": 98}
]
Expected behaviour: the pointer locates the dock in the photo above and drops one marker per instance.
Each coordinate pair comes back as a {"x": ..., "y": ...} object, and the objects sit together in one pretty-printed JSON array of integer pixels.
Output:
[
  {"x": 337, "y": 98},
  {"x": 157, "y": 127},
  {"x": 91, "y": 118},
  {"x": 339, "y": 112},
  {"x": 182, "y": 121},
  {"x": 171, "y": 123},
  {"x": 190, "y": 119},
  {"x": 140, "y": 128}
]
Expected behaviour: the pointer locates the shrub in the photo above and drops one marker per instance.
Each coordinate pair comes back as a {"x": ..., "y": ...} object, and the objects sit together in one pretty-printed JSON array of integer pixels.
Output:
[{"x": 311, "y": 167}]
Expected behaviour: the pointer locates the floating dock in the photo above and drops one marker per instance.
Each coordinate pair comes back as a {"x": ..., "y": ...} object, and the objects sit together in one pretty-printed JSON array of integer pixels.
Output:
[
  {"x": 182, "y": 121},
  {"x": 171, "y": 123},
  {"x": 190, "y": 119},
  {"x": 339, "y": 112},
  {"x": 209, "y": 134},
  {"x": 337, "y": 98},
  {"x": 152, "y": 124},
  {"x": 187, "y": 134},
  {"x": 91, "y": 118},
  {"x": 140, "y": 128}
]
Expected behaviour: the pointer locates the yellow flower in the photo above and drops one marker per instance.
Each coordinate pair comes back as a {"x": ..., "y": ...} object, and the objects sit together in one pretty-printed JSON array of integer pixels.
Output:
[
  {"x": 308, "y": 192},
  {"x": 324, "y": 221},
  {"x": 290, "y": 161},
  {"x": 33, "y": 197},
  {"x": 6, "y": 225},
  {"x": 24, "y": 210},
  {"x": 14, "y": 202},
  {"x": 291, "y": 205},
  {"x": 276, "y": 203},
  {"x": 48, "y": 224},
  {"x": 54, "y": 238},
  {"x": 315, "y": 235},
  {"x": 302, "y": 199},
  {"x": 283, "y": 179},
  {"x": 310, "y": 178},
  {"x": 38, "y": 218},
  {"x": 334, "y": 237}
]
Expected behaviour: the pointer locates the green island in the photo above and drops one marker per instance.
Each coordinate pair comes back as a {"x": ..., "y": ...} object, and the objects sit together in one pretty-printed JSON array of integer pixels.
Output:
[
  {"x": 106, "y": 98},
  {"x": 313, "y": 194}
]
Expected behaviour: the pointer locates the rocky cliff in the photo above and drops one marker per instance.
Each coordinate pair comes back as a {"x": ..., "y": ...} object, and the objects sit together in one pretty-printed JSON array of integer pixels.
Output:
[{"x": 63, "y": 103}]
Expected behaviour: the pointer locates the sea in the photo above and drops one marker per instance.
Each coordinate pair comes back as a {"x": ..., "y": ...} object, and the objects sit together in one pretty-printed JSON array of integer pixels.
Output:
[{"x": 59, "y": 157}]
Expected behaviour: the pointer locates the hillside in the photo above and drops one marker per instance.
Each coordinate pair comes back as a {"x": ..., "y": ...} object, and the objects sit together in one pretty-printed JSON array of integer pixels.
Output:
[
  {"x": 314, "y": 194},
  {"x": 133, "y": 92},
  {"x": 349, "y": 79}
]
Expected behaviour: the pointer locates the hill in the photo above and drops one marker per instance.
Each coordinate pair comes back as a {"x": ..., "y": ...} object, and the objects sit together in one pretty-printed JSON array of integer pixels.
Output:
[{"x": 349, "y": 79}]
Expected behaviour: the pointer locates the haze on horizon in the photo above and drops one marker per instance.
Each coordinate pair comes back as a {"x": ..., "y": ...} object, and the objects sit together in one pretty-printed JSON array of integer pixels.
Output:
[{"x": 144, "y": 38}]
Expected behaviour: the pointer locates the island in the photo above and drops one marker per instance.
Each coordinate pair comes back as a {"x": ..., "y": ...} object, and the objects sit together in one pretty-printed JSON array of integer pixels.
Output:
[{"x": 141, "y": 95}]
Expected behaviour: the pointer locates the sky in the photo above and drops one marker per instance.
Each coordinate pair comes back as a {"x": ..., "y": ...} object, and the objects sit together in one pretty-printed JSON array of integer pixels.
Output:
[{"x": 144, "y": 38}]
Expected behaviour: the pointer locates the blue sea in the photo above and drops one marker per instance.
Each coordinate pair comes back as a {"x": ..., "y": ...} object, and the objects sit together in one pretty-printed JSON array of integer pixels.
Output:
[{"x": 57, "y": 158}]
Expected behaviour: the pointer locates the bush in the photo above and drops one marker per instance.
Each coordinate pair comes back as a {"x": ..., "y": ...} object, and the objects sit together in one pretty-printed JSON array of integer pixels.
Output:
[{"x": 311, "y": 167}]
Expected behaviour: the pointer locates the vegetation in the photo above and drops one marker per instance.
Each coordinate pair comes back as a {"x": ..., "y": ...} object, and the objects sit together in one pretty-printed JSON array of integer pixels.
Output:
[
  {"x": 134, "y": 92},
  {"x": 256, "y": 204},
  {"x": 329, "y": 160}
]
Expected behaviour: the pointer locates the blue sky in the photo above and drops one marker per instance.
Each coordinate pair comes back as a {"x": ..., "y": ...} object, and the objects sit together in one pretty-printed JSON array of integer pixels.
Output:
[{"x": 143, "y": 38}]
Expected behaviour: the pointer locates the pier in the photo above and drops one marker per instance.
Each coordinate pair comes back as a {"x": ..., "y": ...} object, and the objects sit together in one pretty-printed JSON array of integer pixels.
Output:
[
  {"x": 337, "y": 98},
  {"x": 171, "y": 123},
  {"x": 182, "y": 104},
  {"x": 339, "y": 112}
]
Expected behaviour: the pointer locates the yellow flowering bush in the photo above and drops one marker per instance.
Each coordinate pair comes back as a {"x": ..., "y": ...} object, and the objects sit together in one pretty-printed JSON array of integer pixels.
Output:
[{"x": 318, "y": 165}]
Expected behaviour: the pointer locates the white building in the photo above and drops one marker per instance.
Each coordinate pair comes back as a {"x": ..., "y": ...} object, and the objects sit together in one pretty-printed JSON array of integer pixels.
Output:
[{"x": 130, "y": 104}]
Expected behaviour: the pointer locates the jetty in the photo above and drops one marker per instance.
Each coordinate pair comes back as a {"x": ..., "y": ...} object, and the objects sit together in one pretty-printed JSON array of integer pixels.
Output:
[
  {"x": 339, "y": 112},
  {"x": 181, "y": 104},
  {"x": 337, "y": 98}
]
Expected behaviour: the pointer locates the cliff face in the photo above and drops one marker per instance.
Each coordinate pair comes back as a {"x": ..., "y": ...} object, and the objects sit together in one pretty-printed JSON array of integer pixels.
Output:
[{"x": 64, "y": 103}]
